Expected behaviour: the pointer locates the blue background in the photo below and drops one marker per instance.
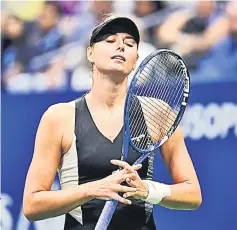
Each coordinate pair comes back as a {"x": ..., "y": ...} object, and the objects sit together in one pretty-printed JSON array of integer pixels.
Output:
[{"x": 215, "y": 161}]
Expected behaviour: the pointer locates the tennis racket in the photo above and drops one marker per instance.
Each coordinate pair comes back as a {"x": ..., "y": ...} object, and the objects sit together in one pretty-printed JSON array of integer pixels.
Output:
[{"x": 155, "y": 103}]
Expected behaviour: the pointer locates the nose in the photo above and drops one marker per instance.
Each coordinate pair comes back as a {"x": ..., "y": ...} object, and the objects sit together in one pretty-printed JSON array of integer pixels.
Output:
[{"x": 120, "y": 44}]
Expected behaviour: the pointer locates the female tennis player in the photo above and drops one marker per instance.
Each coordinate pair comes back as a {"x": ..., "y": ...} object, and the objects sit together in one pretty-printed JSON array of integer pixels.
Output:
[{"x": 82, "y": 140}]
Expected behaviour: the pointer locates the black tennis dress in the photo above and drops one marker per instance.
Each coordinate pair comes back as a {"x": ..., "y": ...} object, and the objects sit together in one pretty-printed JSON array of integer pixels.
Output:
[{"x": 88, "y": 160}]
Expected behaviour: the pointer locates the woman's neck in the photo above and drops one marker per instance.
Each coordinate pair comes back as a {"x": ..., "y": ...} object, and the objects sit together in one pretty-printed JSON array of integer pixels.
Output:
[{"x": 108, "y": 91}]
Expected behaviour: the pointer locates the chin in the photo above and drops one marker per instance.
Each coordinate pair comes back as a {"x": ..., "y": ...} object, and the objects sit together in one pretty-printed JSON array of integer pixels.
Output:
[{"x": 117, "y": 71}]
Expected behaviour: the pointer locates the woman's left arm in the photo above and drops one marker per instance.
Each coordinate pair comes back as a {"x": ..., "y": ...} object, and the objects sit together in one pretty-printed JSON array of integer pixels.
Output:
[{"x": 185, "y": 192}]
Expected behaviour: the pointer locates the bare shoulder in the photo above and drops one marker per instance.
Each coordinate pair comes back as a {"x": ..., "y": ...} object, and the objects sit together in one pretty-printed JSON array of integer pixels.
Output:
[
  {"x": 59, "y": 112},
  {"x": 60, "y": 109},
  {"x": 57, "y": 124},
  {"x": 59, "y": 119}
]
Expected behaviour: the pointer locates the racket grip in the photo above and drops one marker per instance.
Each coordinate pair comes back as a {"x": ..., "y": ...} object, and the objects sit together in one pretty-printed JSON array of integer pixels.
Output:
[{"x": 106, "y": 215}]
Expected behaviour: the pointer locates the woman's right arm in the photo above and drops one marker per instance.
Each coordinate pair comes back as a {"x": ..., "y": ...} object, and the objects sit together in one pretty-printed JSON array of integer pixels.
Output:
[{"x": 41, "y": 203}]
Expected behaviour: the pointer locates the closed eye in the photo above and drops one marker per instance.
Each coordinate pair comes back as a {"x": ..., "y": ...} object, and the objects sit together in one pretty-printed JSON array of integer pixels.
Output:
[
  {"x": 129, "y": 42},
  {"x": 110, "y": 41},
  {"x": 130, "y": 45}
]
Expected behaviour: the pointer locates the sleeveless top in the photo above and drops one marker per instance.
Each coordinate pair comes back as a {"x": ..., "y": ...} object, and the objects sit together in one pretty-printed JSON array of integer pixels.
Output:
[{"x": 87, "y": 160}]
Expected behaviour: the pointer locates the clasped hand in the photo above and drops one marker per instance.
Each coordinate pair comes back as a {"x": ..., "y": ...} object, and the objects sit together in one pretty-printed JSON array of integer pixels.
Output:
[{"x": 109, "y": 187}]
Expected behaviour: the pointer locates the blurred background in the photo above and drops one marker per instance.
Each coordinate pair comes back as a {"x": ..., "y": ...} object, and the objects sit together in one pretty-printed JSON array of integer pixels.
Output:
[{"x": 43, "y": 61}]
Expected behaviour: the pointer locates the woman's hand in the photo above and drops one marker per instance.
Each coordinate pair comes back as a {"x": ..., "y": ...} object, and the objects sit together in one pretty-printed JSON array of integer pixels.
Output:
[
  {"x": 134, "y": 181},
  {"x": 109, "y": 187}
]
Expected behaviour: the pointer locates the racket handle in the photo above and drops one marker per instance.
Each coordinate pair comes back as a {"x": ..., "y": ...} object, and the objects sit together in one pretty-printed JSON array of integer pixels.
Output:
[
  {"x": 141, "y": 158},
  {"x": 110, "y": 206},
  {"x": 106, "y": 215}
]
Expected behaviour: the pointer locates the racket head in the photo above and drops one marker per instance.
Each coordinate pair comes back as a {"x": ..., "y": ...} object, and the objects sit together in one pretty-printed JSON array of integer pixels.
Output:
[{"x": 161, "y": 81}]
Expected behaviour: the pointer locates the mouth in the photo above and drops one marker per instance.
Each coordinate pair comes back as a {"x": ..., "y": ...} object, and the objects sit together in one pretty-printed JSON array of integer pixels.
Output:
[{"x": 119, "y": 57}]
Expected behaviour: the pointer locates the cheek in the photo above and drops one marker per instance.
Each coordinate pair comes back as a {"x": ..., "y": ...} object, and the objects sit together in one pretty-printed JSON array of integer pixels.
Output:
[
  {"x": 101, "y": 56},
  {"x": 102, "y": 52},
  {"x": 132, "y": 59}
]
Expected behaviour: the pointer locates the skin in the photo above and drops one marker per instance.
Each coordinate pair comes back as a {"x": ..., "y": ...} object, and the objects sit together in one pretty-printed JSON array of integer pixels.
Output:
[{"x": 105, "y": 102}]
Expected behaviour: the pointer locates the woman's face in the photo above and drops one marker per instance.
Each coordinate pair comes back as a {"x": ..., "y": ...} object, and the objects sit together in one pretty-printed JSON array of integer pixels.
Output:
[{"x": 117, "y": 54}]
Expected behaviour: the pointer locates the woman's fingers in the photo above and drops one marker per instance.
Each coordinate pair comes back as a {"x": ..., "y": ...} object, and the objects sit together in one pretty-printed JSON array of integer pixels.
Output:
[
  {"x": 131, "y": 182},
  {"x": 126, "y": 166},
  {"x": 141, "y": 186},
  {"x": 122, "y": 188},
  {"x": 115, "y": 196},
  {"x": 128, "y": 194},
  {"x": 134, "y": 176},
  {"x": 122, "y": 164},
  {"x": 137, "y": 167},
  {"x": 125, "y": 177}
]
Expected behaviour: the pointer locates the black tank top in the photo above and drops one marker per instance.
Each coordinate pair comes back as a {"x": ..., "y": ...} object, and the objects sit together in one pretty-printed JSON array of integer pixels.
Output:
[{"x": 94, "y": 152}]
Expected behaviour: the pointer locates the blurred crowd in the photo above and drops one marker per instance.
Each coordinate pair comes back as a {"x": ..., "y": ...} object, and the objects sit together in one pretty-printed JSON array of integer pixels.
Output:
[{"x": 44, "y": 42}]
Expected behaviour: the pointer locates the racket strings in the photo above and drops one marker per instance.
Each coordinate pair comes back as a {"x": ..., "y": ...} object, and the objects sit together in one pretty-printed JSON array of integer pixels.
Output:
[
  {"x": 148, "y": 88},
  {"x": 180, "y": 76},
  {"x": 152, "y": 125},
  {"x": 171, "y": 71},
  {"x": 174, "y": 117},
  {"x": 168, "y": 74},
  {"x": 166, "y": 112},
  {"x": 154, "y": 95},
  {"x": 159, "y": 108},
  {"x": 155, "y": 114},
  {"x": 160, "y": 101},
  {"x": 153, "y": 120},
  {"x": 150, "y": 107},
  {"x": 167, "y": 78}
]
